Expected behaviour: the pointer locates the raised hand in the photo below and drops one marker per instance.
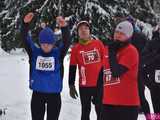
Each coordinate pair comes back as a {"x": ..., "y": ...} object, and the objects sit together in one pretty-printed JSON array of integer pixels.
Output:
[
  {"x": 61, "y": 21},
  {"x": 28, "y": 18}
]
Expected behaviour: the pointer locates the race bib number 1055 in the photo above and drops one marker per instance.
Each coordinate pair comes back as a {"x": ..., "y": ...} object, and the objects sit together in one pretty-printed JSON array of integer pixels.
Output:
[{"x": 45, "y": 63}]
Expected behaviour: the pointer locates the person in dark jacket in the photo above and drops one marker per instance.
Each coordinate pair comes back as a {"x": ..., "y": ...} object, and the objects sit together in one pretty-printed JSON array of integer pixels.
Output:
[
  {"x": 151, "y": 69},
  {"x": 139, "y": 40},
  {"x": 45, "y": 68}
]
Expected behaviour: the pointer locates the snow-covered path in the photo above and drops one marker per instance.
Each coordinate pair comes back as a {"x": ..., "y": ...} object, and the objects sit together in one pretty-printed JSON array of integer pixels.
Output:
[{"x": 15, "y": 94}]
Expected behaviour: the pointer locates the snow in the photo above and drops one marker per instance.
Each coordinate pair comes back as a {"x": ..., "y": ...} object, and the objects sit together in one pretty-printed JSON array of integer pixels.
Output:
[
  {"x": 100, "y": 10},
  {"x": 15, "y": 95},
  {"x": 3, "y": 53},
  {"x": 9, "y": 32},
  {"x": 45, "y": 3},
  {"x": 17, "y": 51},
  {"x": 146, "y": 28},
  {"x": 3, "y": 12}
]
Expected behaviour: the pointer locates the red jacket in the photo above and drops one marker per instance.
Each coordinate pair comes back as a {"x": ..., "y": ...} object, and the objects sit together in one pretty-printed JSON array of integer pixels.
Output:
[
  {"x": 122, "y": 90},
  {"x": 89, "y": 60}
]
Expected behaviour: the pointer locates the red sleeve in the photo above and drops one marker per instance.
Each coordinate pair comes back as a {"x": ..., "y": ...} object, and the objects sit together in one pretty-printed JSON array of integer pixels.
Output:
[
  {"x": 129, "y": 57},
  {"x": 73, "y": 60},
  {"x": 105, "y": 57}
]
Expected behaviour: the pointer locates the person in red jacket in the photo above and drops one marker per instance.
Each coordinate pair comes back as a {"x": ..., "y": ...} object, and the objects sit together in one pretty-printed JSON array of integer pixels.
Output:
[
  {"x": 120, "y": 95},
  {"x": 88, "y": 55}
]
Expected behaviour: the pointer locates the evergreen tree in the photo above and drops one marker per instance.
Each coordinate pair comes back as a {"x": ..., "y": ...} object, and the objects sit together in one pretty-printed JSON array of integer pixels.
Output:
[{"x": 100, "y": 13}]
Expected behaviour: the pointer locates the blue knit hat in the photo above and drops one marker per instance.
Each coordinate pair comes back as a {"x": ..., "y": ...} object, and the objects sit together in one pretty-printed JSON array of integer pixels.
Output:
[{"x": 46, "y": 36}]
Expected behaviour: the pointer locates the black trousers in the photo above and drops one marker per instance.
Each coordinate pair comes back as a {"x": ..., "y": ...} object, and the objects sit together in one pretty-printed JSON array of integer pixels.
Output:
[
  {"x": 87, "y": 96},
  {"x": 41, "y": 102},
  {"x": 144, "y": 103},
  {"x": 155, "y": 98},
  {"x": 110, "y": 112}
]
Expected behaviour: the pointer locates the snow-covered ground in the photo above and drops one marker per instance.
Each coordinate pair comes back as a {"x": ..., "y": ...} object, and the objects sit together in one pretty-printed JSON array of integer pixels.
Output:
[{"x": 15, "y": 94}]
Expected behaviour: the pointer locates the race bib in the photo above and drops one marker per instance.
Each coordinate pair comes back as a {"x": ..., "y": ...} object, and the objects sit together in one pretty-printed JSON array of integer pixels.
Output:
[
  {"x": 108, "y": 79},
  {"x": 157, "y": 76},
  {"x": 90, "y": 57},
  {"x": 45, "y": 63}
]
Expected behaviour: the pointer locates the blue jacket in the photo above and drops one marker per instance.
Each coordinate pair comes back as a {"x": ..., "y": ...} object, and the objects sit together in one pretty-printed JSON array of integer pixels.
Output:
[{"x": 45, "y": 69}]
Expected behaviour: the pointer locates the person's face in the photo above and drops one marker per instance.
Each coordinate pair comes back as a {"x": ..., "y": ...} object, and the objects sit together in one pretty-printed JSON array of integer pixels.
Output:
[
  {"x": 120, "y": 36},
  {"x": 84, "y": 32},
  {"x": 46, "y": 47}
]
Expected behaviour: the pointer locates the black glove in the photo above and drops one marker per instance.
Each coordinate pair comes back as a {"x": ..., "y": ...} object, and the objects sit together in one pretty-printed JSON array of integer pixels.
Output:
[{"x": 73, "y": 92}]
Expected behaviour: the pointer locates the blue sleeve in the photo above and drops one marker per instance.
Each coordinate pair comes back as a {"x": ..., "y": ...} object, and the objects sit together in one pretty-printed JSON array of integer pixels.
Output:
[
  {"x": 30, "y": 43},
  {"x": 27, "y": 39}
]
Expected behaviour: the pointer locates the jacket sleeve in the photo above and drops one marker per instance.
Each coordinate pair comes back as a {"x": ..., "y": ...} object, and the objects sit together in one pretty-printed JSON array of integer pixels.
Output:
[
  {"x": 66, "y": 39},
  {"x": 72, "y": 74},
  {"x": 27, "y": 39},
  {"x": 117, "y": 69},
  {"x": 72, "y": 67}
]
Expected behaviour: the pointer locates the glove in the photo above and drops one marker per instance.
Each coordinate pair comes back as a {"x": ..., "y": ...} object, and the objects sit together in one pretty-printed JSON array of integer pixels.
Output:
[
  {"x": 28, "y": 18},
  {"x": 73, "y": 92}
]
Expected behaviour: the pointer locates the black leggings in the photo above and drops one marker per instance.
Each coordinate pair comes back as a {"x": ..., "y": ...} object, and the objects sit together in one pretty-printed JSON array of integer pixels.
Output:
[
  {"x": 88, "y": 96},
  {"x": 110, "y": 112},
  {"x": 155, "y": 98},
  {"x": 141, "y": 87},
  {"x": 41, "y": 102}
]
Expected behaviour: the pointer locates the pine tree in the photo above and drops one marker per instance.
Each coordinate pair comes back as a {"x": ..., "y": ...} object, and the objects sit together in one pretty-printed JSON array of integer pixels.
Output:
[
  {"x": 99, "y": 12},
  {"x": 9, "y": 16},
  {"x": 1, "y": 16}
]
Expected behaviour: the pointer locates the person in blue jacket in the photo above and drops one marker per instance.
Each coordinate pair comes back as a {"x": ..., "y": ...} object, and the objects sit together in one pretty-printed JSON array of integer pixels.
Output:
[{"x": 46, "y": 63}]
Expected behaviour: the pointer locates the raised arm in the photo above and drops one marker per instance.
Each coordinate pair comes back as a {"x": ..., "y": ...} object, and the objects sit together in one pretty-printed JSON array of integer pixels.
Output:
[
  {"x": 27, "y": 39},
  {"x": 66, "y": 37}
]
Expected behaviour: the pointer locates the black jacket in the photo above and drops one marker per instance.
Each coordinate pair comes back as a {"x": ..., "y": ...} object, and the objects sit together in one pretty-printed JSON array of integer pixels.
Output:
[
  {"x": 151, "y": 62},
  {"x": 139, "y": 40}
]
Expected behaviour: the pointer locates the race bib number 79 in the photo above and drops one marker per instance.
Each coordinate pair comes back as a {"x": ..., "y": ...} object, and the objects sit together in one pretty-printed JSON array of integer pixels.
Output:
[
  {"x": 45, "y": 63},
  {"x": 90, "y": 57}
]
